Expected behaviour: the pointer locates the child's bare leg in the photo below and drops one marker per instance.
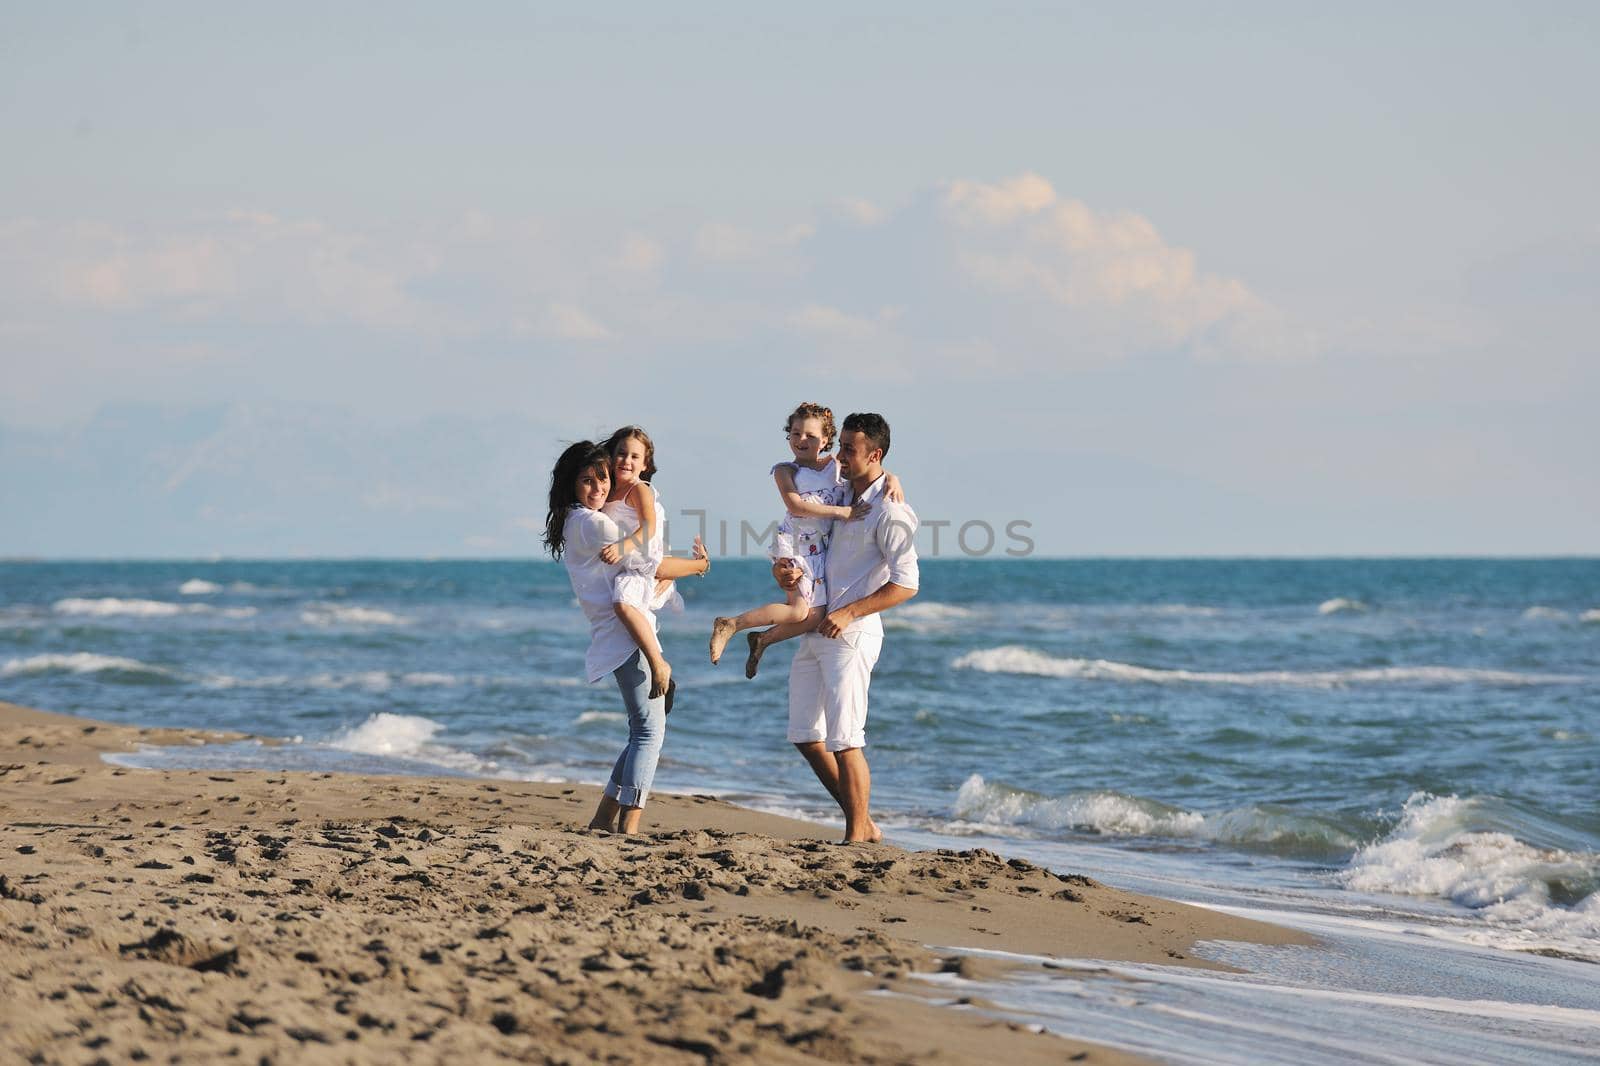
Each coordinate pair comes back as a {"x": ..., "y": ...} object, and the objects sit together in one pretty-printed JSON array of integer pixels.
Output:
[
  {"x": 723, "y": 628},
  {"x": 782, "y": 631},
  {"x": 634, "y": 621}
]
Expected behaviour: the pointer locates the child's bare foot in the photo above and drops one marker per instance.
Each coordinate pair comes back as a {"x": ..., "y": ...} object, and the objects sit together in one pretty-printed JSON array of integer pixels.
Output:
[
  {"x": 722, "y": 631},
  {"x": 660, "y": 677},
  {"x": 753, "y": 663}
]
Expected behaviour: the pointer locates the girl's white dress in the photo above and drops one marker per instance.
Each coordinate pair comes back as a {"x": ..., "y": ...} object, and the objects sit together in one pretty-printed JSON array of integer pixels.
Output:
[
  {"x": 804, "y": 538},
  {"x": 635, "y": 583}
]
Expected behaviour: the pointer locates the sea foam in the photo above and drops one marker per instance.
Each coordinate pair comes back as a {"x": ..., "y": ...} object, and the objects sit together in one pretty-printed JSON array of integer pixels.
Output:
[
  {"x": 198, "y": 587},
  {"x": 1340, "y": 605},
  {"x": 1015, "y": 659}
]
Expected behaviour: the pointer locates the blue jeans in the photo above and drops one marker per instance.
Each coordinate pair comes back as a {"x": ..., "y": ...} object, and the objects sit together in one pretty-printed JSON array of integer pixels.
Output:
[{"x": 647, "y": 728}]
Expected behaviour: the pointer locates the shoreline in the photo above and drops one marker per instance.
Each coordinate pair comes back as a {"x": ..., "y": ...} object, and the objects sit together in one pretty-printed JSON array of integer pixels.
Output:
[{"x": 204, "y": 913}]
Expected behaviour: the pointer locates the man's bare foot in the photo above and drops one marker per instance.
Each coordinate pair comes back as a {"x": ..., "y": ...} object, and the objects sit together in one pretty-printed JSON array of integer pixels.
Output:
[
  {"x": 753, "y": 663},
  {"x": 722, "y": 631},
  {"x": 874, "y": 836},
  {"x": 660, "y": 678}
]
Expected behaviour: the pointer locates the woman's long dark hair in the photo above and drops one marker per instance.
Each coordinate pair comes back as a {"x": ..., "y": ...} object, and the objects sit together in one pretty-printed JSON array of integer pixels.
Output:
[{"x": 574, "y": 461}]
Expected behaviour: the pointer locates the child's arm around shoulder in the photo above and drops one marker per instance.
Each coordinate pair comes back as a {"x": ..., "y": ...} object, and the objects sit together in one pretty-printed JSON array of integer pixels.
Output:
[
  {"x": 796, "y": 504},
  {"x": 892, "y": 488}
]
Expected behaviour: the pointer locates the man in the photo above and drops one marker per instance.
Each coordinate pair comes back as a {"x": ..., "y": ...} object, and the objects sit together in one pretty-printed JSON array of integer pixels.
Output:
[{"x": 871, "y": 567}]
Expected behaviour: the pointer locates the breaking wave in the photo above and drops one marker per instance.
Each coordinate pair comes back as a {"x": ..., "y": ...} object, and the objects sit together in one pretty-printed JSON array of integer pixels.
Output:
[
  {"x": 1340, "y": 605},
  {"x": 405, "y": 736},
  {"x": 1468, "y": 851},
  {"x": 111, "y": 606},
  {"x": 84, "y": 662},
  {"x": 1015, "y": 659},
  {"x": 1116, "y": 814}
]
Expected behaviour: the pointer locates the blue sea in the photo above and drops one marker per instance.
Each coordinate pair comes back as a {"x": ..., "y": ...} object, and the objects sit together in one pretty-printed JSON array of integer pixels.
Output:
[{"x": 1401, "y": 756}]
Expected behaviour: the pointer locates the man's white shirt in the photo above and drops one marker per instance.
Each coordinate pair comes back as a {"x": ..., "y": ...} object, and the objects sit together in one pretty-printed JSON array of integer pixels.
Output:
[{"x": 868, "y": 553}]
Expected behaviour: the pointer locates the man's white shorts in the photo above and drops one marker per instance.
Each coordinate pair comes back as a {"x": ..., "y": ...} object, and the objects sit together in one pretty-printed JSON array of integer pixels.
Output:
[{"x": 828, "y": 684}]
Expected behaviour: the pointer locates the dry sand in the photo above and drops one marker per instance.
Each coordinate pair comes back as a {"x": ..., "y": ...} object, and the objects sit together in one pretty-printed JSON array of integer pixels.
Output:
[{"x": 195, "y": 916}]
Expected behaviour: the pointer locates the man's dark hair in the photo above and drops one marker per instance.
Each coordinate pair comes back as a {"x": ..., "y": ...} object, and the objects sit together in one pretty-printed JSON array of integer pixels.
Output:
[{"x": 872, "y": 426}]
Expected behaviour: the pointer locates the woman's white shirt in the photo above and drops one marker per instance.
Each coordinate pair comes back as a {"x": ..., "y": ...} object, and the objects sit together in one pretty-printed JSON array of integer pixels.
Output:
[{"x": 585, "y": 533}]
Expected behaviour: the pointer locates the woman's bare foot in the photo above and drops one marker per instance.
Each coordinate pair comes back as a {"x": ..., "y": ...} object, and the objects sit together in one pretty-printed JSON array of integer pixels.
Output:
[
  {"x": 660, "y": 677},
  {"x": 699, "y": 554},
  {"x": 753, "y": 663},
  {"x": 722, "y": 631}
]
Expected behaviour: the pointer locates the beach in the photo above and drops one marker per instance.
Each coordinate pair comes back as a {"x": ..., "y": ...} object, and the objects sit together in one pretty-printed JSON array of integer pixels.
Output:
[{"x": 191, "y": 915}]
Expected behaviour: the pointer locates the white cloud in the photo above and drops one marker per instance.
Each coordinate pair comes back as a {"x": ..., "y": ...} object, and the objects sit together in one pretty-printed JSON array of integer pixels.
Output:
[
  {"x": 1113, "y": 277},
  {"x": 720, "y": 242},
  {"x": 572, "y": 323},
  {"x": 864, "y": 212},
  {"x": 830, "y": 321},
  {"x": 641, "y": 255},
  {"x": 1002, "y": 202}
]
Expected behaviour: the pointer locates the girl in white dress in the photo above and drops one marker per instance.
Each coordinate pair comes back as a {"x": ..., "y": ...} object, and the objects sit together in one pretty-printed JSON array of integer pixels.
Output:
[
  {"x": 814, "y": 497},
  {"x": 638, "y": 589}
]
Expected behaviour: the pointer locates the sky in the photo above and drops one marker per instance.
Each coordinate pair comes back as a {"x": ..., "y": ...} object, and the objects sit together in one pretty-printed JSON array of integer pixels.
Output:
[{"x": 1148, "y": 279}]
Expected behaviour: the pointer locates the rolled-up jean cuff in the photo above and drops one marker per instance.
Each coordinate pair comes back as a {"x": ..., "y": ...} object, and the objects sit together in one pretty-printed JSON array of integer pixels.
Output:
[{"x": 627, "y": 795}]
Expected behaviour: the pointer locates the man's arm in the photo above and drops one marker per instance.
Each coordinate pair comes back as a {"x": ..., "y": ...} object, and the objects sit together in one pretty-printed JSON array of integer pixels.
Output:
[{"x": 891, "y": 595}]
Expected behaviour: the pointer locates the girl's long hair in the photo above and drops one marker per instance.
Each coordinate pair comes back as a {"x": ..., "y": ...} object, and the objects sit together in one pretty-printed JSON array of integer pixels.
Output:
[{"x": 574, "y": 461}]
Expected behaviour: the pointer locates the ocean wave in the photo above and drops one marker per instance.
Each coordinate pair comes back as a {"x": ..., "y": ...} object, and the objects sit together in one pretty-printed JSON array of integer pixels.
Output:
[
  {"x": 370, "y": 680},
  {"x": 196, "y": 586},
  {"x": 1340, "y": 605},
  {"x": 84, "y": 662},
  {"x": 1457, "y": 849},
  {"x": 111, "y": 606},
  {"x": 933, "y": 611},
  {"x": 1183, "y": 610},
  {"x": 1590, "y": 616},
  {"x": 405, "y": 736},
  {"x": 932, "y": 615},
  {"x": 329, "y": 614},
  {"x": 1540, "y": 613},
  {"x": 1015, "y": 659},
  {"x": 1116, "y": 814},
  {"x": 599, "y": 716}
]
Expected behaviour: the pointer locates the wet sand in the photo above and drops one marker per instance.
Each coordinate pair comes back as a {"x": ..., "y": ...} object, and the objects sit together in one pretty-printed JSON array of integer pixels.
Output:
[{"x": 191, "y": 916}]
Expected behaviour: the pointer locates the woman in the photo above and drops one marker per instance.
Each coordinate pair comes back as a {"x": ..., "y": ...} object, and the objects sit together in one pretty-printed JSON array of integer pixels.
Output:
[{"x": 575, "y": 532}]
